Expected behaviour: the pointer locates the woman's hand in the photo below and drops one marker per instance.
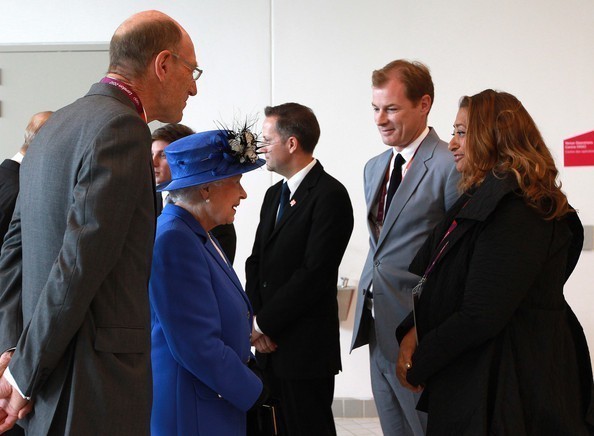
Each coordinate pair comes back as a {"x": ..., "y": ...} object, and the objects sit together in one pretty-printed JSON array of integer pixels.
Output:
[{"x": 404, "y": 362}]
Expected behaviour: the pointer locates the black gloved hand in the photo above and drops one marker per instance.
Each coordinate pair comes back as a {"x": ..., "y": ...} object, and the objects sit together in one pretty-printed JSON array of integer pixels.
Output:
[{"x": 255, "y": 368}]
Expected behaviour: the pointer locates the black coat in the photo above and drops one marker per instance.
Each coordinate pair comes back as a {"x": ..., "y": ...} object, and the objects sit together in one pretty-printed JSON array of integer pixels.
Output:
[
  {"x": 500, "y": 352},
  {"x": 9, "y": 190},
  {"x": 292, "y": 276}
]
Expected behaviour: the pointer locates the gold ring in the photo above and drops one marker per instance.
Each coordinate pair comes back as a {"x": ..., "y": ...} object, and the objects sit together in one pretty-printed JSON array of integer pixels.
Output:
[{"x": 408, "y": 365}]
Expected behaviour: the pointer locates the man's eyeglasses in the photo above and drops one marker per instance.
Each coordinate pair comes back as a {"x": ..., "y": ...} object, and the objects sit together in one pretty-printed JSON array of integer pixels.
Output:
[{"x": 196, "y": 72}]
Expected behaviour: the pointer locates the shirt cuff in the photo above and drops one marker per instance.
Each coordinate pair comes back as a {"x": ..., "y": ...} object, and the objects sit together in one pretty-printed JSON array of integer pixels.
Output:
[
  {"x": 10, "y": 379},
  {"x": 257, "y": 327}
]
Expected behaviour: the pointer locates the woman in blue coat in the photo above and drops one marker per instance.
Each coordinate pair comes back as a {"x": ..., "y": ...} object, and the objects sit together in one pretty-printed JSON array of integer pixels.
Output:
[{"x": 201, "y": 317}]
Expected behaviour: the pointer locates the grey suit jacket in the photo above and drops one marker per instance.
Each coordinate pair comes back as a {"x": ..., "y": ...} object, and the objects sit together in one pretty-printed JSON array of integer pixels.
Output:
[
  {"x": 80, "y": 243},
  {"x": 426, "y": 192}
]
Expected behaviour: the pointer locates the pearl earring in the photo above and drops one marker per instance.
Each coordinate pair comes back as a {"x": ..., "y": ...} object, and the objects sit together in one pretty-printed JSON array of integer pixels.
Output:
[{"x": 208, "y": 200}]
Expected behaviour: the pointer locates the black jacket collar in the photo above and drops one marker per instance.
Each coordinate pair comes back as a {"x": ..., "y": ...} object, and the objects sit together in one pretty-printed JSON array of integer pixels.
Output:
[{"x": 481, "y": 202}]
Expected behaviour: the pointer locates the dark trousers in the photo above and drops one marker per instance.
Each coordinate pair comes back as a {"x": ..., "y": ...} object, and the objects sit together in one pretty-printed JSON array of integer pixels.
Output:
[
  {"x": 15, "y": 431},
  {"x": 305, "y": 405}
]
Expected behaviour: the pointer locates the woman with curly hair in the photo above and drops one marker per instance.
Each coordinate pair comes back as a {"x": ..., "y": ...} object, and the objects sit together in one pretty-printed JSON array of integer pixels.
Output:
[{"x": 491, "y": 342}]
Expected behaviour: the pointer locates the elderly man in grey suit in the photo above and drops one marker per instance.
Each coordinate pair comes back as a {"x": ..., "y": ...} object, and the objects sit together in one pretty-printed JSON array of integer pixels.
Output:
[
  {"x": 75, "y": 262},
  {"x": 408, "y": 188}
]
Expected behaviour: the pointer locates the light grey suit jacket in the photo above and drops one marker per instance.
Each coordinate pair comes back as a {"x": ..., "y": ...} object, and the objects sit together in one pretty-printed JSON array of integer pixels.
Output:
[
  {"x": 428, "y": 189},
  {"x": 81, "y": 242}
]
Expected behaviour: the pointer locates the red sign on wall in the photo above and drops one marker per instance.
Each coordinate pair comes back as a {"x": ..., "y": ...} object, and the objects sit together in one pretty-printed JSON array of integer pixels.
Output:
[{"x": 579, "y": 150}]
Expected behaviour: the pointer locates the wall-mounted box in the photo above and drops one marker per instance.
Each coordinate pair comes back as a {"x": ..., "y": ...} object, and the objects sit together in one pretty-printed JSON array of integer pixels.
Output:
[
  {"x": 345, "y": 297},
  {"x": 588, "y": 238}
]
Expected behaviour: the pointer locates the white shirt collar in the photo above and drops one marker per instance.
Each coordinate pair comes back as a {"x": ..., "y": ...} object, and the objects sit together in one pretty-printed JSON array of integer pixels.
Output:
[
  {"x": 409, "y": 151},
  {"x": 298, "y": 177}
]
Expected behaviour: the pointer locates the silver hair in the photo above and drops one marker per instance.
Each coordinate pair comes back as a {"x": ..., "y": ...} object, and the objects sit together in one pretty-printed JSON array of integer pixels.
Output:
[{"x": 190, "y": 193}]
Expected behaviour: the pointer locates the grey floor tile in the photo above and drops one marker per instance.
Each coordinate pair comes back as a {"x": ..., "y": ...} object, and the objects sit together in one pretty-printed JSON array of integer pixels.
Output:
[{"x": 358, "y": 427}]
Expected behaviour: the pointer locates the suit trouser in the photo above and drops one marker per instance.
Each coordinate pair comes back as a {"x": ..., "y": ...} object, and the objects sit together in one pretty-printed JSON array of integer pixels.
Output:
[
  {"x": 396, "y": 405},
  {"x": 305, "y": 405},
  {"x": 15, "y": 431}
]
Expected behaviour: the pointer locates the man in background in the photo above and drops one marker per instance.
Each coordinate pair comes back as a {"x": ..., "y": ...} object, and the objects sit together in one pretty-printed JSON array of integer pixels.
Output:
[
  {"x": 408, "y": 189},
  {"x": 162, "y": 137},
  {"x": 305, "y": 225},
  {"x": 9, "y": 190},
  {"x": 74, "y": 310},
  {"x": 9, "y": 172}
]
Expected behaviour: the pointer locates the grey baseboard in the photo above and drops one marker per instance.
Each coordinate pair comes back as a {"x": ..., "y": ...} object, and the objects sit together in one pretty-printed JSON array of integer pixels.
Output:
[{"x": 353, "y": 408}]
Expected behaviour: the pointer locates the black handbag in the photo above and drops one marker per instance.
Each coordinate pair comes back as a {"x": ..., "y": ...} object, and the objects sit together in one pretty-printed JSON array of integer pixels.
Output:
[{"x": 263, "y": 418}]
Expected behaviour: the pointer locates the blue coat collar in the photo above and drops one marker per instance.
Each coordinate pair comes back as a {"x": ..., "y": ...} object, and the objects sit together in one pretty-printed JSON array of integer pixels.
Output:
[{"x": 195, "y": 227}]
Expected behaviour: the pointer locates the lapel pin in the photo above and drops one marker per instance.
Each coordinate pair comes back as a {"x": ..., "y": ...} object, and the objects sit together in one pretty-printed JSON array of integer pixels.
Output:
[{"x": 292, "y": 203}]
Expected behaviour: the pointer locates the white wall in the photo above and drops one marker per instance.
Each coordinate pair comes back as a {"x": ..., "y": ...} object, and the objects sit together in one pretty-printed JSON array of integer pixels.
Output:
[{"x": 321, "y": 53}]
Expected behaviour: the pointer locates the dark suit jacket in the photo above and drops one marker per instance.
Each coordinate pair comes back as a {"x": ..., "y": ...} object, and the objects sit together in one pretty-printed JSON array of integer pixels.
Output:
[
  {"x": 81, "y": 241},
  {"x": 227, "y": 239},
  {"x": 9, "y": 189},
  {"x": 292, "y": 275}
]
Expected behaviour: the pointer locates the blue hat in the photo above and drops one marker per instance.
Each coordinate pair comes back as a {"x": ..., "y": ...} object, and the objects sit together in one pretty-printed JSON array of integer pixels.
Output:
[{"x": 208, "y": 156}]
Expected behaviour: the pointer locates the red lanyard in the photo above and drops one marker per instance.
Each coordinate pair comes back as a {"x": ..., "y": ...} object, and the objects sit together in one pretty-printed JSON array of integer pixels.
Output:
[
  {"x": 443, "y": 244},
  {"x": 129, "y": 92},
  {"x": 382, "y": 199},
  {"x": 418, "y": 289}
]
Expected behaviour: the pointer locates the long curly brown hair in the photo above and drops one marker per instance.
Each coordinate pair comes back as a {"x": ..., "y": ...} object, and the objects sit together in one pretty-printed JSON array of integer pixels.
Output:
[{"x": 502, "y": 138}]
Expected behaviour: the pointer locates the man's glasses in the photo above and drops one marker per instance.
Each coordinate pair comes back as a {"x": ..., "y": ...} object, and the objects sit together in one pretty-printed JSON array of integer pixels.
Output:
[{"x": 196, "y": 72}]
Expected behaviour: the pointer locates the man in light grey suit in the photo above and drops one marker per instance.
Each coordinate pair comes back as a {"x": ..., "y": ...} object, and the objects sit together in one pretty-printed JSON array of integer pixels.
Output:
[
  {"x": 74, "y": 312},
  {"x": 408, "y": 188}
]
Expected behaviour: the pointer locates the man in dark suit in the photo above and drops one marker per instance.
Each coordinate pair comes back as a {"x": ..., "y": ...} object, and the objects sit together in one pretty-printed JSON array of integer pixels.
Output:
[
  {"x": 162, "y": 137},
  {"x": 305, "y": 225},
  {"x": 408, "y": 189},
  {"x": 9, "y": 172},
  {"x": 76, "y": 259},
  {"x": 9, "y": 190}
]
